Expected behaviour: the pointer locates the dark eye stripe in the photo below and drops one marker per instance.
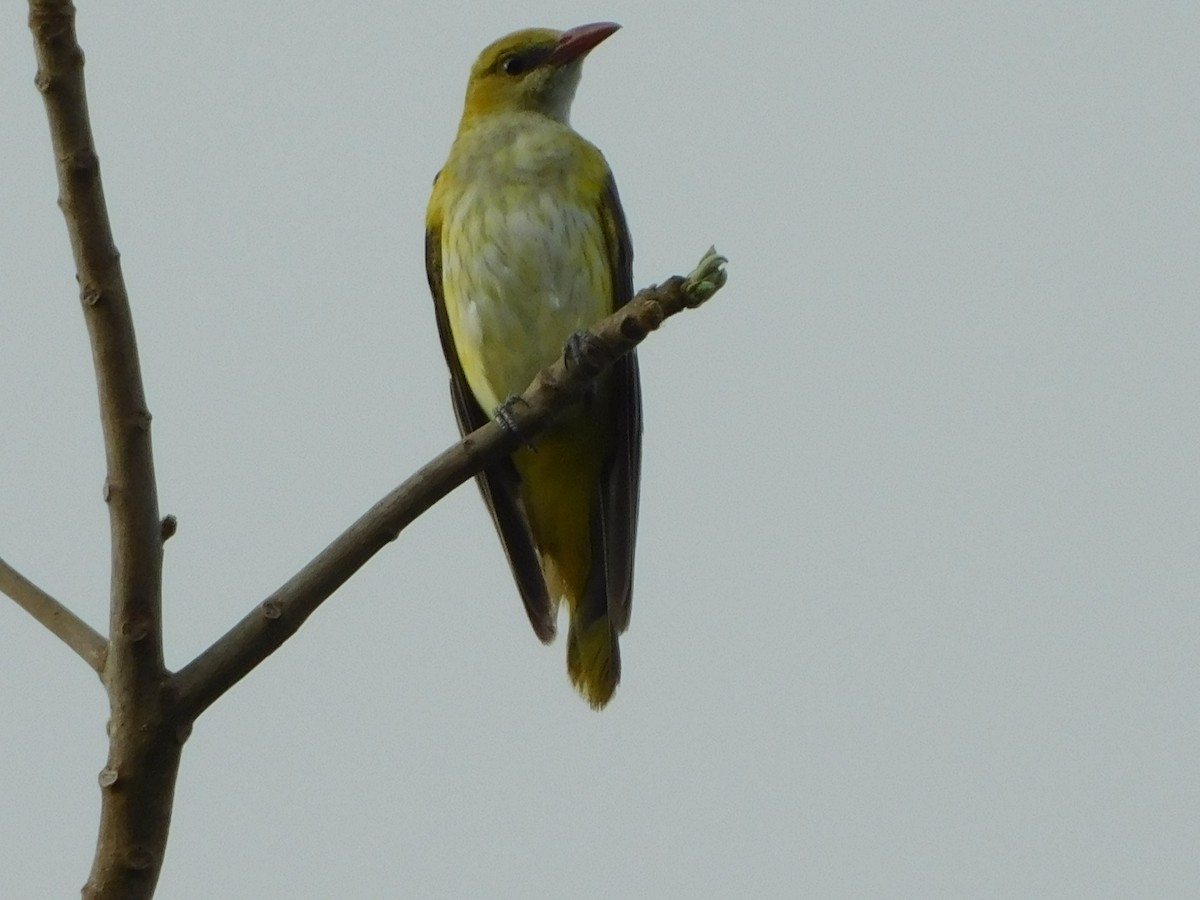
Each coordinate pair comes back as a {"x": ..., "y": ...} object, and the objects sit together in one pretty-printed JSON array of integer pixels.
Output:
[{"x": 521, "y": 62}]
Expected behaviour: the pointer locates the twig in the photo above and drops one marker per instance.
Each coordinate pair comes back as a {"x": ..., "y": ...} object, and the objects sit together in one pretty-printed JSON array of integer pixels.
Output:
[
  {"x": 138, "y": 781},
  {"x": 64, "y": 624},
  {"x": 264, "y": 629}
]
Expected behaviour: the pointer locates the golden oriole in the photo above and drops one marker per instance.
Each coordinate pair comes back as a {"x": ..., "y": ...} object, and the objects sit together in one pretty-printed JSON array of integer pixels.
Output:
[{"x": 525, "y": 245}]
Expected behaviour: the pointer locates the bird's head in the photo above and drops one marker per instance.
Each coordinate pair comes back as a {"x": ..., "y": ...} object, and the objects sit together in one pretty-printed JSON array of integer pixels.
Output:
[{"x": 535, "y": 70}]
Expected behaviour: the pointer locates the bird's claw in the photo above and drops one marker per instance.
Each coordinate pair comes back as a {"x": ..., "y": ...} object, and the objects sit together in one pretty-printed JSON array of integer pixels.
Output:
[
  {"x": 581, "y": 349},
  {"x": 707, "y": 278},
  {"x": 504, "y": 415}
]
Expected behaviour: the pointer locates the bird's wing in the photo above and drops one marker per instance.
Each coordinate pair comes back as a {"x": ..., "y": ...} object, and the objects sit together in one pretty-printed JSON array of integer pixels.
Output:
[
  {"x": 619, "y": 489},
  {"x": 499, "y": 483}
]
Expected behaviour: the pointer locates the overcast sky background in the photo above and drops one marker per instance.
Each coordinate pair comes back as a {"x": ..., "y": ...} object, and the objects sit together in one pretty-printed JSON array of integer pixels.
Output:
[{"x": 917, "y": 592}]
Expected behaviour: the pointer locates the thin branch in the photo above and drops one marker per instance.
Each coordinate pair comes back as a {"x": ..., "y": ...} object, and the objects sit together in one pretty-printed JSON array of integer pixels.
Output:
[
  {"x": 264, "y": 629},
  {"x": 64, "y": 624},
  {"x": 129, "y": 488},
  {"x": 138, "y": 780}
]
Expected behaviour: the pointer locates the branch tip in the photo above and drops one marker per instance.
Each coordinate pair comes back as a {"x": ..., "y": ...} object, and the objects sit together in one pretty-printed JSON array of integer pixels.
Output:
[{"x": 707, "y": 278}]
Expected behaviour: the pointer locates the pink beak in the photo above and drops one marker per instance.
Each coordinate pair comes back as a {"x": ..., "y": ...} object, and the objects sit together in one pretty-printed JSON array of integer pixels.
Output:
[{"x": 575, "y": 43}]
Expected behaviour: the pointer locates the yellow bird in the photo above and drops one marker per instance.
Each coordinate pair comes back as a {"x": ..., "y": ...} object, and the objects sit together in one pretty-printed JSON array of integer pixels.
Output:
[{"x": 525, "y": 245}]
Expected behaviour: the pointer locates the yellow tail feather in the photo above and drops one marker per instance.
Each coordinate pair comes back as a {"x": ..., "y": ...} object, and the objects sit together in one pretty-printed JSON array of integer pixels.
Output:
[{"x": 594, "y": 661}]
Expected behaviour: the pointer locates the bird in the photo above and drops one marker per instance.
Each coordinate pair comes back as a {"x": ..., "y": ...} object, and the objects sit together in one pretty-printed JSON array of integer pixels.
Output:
[{"x": 526, "y": 246}]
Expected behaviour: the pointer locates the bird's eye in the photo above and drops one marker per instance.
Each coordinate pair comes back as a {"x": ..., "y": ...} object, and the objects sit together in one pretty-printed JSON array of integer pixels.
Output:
[{"x": 520, "y": 63}]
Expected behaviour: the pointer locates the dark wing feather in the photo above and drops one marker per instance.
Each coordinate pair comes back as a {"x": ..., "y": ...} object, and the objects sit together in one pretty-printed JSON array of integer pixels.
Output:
[
  {"x": 619, "y": 497},
  {"x": 499, "y": 484}
]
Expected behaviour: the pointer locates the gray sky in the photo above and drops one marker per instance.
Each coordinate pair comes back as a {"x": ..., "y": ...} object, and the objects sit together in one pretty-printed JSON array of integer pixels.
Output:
[{"x": 916, "y": 608}]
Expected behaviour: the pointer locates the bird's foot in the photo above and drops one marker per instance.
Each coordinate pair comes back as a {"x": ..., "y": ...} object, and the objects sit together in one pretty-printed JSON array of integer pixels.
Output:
[
  {"x": 504, "y": 415},
  {"x": 581, "y": 351}
]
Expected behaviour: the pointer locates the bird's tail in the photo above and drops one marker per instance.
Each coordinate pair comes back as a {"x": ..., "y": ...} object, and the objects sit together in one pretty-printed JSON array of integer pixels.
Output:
[
  {"x": 565, "y": 517},
  {"x": 593, "y": 658}
]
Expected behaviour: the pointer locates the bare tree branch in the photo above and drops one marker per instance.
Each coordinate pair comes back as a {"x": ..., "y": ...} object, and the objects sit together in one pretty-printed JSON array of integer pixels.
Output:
[
  {"x": 138, "y": 781},
  {"x": 151, "y": 710},
  {"x": 68, "y": 627},
  {"x": 264, "y": 629}
]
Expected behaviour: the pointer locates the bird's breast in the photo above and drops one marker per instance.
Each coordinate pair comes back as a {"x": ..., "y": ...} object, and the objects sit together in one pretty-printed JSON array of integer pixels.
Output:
[{"x": 524, "y": 265}]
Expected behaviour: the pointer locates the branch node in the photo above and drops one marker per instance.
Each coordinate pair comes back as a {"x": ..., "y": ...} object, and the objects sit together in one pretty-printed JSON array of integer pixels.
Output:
[
  {"x": 633, "y": 328},
  {"x": 140, "y": 858},
  {"x": 91, "y": 295},
  {"x": 107, "y": 491},
  {"x": 141, "y": 419},
  {"x": 83, "y": 160},
  {"x": 272, "y": 608},
  {"x": 51, "y": 24},
  {"x": 45, "y": 82},
  {"x": 108, "y": 777},
  {"x": 135, "y": 629},
  {"x": 169, "y": 526}
]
